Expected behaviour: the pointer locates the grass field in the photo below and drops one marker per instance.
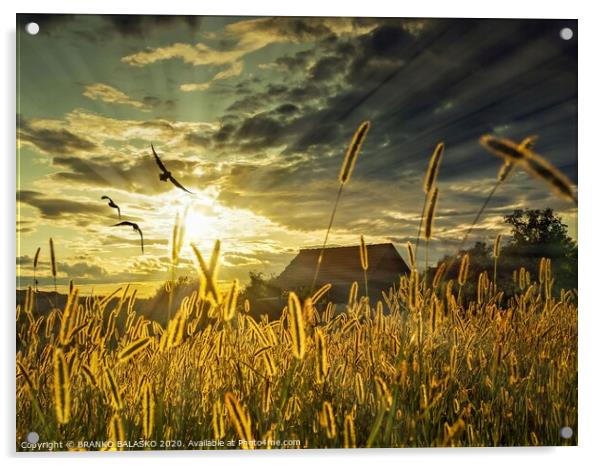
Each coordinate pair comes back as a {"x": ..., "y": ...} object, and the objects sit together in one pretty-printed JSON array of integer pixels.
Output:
[
  {"x": 419, "y": 368},
  {"x": 427, "y": 365}
]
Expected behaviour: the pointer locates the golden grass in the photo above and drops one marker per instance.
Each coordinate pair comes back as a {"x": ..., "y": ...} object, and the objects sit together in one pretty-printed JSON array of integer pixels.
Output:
[
  {"x": 148, "y": 410},
  {"x": 133, "y": 349},
  {"x": 534, "y": 164},
  {"x": 503, "y": 361},
  {"x": 428, "y": 184},
  {"x": 347, "y": 167},
  {"x": 411, "y": 255},
  {"x": 229, "y": 304},
  {"x": 353, "y": 151},
  {"x": 240, "y": 419},
  {"x": 463, "y": 272},
  {"x": 420, "y": 367},
  {"x": 349, "y": 433},
  {"x": 207, "y": 277},
  {"x": 321, "y": 356},
  {"x": 36, "y": 257},
  {"x": 62, "y": 387},
  {"x": 364, "y": 262},
  {"x": 296, "y": 326},
  {"x": 428, "y": 228},
  {"x": 52, "y": 261}
]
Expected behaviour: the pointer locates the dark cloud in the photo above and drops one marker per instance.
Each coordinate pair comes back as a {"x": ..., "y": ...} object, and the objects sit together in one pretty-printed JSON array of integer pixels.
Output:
[
  {"x": 24, "y": 260},
  {"x": 72, "y": 269},
  {"x": 456, "y": 81},
  {"x": 452, "y": 82},
  {"x": 154, "y": 102},
  {"x": 82, "y": 270},
  {"x": 295, "y": 29},
  {"x": 251, "y": 102},
  {"x": 328, "y": 67},
  {"x": 53, "y": 141},
  {"x": 297, "y": 62},
  {"x": 133, "y": 174},
  {"x": 25, "y": 226},
  {"x": 260, "y": 131},
  {"x": 55, "y": 208},
  {"x": 143, "y": 25},
  {"x": 287, "y": 109},
  {"x": 137, "y": 26},
  {"x": 115, "y": 240}
]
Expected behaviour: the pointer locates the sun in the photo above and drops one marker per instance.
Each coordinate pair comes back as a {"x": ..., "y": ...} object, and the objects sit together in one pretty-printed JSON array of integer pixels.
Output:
[{"x": 201, "y": 222}]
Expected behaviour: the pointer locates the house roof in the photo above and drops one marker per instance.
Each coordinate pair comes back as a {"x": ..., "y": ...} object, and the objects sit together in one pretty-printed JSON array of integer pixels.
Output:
[{"x": 341, "y": 267}]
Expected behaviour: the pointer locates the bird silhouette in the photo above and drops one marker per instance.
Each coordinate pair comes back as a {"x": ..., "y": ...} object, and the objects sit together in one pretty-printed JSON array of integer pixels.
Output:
[
  {"x": 165, "y": 174},
  {"x": 113, "y": 205},
  {"x": 136, "y": 228}
]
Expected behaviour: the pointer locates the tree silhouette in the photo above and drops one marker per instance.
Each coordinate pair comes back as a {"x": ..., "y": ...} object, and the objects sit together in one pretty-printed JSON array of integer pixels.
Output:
[{"x": 534, "y": 234}]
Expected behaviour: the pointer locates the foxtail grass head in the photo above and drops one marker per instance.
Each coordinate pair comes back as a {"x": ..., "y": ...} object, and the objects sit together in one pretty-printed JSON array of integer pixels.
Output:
[
  {"x": 411, "y": 255},
  {"x": 464, "y": 266},
  {"x": 240, "y": 420},
  {"x": 52, "y": 258},
  {"x": 504, "y": 148},
  {"x": 62, "y": 387},
  {"x": 177, "y": 238},
  {"x": 296, "y": 325},
  {"x": 534, "y": 164},
  {"x": 36, "y": 258},
  {"x": 496, "y": 246},
  {"x": 363, "y": 254},
  {"x": 353, "y": 151},
  {"x": 433, "y": 170},
  {"x": 505, "y": 171}
]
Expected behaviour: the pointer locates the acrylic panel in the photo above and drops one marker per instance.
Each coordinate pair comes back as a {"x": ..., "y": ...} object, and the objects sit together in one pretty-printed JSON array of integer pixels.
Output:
[{"x": 278, "y": 232}]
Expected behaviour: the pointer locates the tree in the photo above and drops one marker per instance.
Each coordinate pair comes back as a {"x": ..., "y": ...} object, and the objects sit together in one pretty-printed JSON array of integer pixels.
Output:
[
  {"x": 263, "y": 295},
  {"x": 536, "y": 234},
  {"x": 258, "y": 287}
]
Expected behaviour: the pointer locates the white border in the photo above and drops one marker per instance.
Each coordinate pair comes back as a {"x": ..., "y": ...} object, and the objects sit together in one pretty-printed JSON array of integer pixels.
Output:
[{"x": 590, "y": 167}]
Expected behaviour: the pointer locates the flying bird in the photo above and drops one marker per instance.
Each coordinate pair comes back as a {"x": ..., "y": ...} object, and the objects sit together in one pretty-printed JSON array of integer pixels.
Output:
[
  {"x": 113, "y": 205},
  {"x": 136, "y": 228},
  {"x": 166, "y": 175}
]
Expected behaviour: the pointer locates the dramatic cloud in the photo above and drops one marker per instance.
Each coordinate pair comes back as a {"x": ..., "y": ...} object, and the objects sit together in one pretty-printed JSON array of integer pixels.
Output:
[
  {"x": 244, "y": 37},
  {"x": 262, "y": 146},
  {"x": 25, "y": 226},
  {"x": 119, "y": 26},
  {"x": 52, "y": 139},
  {"x": 234, "y": 70},
  {"x": 109, "y": 94},
  {"x": 82, "y": 270},
  {"x": 142, "y": 25},
  {"x": 56, "y": 208}
]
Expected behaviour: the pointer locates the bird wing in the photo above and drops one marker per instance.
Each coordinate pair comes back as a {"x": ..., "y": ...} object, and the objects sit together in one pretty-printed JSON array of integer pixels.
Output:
[
  {"x": 158, "y": 160},
  {"x": 129, "y": 224},
  {"x": 177, "y": 184}
]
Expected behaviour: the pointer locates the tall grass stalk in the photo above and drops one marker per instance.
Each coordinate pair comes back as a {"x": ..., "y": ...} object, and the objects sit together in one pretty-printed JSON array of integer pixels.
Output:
[
  {"x": 345, "y": 174},
  {"x": 364, "y": 262},
  {"x": 177, "y": 240},
  {"x": 496, "y": 256},
  {"x": 35, "y": 268},
  {"x": 428, "y": 230},
  {"x": 430, "y": 179}
]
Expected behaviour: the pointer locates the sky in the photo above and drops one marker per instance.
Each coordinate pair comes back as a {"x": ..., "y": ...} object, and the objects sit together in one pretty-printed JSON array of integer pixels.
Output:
[{"x": 253, "y": 115}]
